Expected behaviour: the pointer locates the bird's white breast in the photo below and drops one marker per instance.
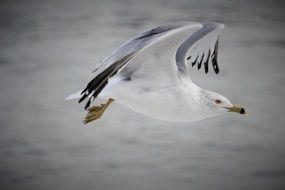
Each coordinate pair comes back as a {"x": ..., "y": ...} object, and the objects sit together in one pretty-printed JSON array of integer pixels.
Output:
[{"x": 164, "y": 103}]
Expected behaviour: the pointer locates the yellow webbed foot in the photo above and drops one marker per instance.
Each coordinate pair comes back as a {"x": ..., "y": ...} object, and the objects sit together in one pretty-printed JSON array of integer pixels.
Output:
[{"x": 96, "y": 112}]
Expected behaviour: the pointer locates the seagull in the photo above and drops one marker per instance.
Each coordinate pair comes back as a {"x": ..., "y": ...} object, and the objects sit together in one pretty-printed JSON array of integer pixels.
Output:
[{"x": 150, "y": 74}]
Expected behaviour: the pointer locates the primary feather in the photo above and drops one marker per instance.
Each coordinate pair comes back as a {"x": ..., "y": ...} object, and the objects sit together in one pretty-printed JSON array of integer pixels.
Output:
[{"x": 173, "y": 46}]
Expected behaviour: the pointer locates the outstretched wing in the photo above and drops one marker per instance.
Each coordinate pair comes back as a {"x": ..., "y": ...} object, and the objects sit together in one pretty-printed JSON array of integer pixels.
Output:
[
  {"x": 150, "y": 55},
  {"x": 167, "y": 58},
  {"x": 201, "y": 48},
  {"x": 158, "y": 56}
]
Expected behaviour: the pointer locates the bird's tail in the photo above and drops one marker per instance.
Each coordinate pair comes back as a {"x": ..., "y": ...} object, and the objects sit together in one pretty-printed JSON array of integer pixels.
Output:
[{"x": 75, "y": 95}]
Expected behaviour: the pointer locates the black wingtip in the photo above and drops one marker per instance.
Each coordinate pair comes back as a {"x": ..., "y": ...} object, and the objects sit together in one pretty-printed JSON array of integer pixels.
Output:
[
  {"x": 200, "y": 63},
  {"x": 96, "y": 85},
  {"x": 206, "y": 68},
  {"x": 87, "y": 104},
  {"x": 215, "y": 58},
  {"x": 216, "y": 69},
  {"x": 82, "y": 98},
  {"x": 215, "y": 65},
  {"x": 206, "y": 64},
  {"x": 194, "y": 63}
]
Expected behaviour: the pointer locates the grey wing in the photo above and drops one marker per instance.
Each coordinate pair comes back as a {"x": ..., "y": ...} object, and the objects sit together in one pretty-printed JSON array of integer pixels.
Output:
[
  {"x": 158, "y": 56},
  {"x": 167, "y": 59},
  {"x": 140, "y": 42},
  {"x": 149, "y": 55},
  {"x": 201, "y": 48}
]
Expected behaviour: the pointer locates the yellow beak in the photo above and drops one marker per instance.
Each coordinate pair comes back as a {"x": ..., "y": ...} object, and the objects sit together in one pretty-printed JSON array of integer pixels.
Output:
[{"x": 237, "y": 109}]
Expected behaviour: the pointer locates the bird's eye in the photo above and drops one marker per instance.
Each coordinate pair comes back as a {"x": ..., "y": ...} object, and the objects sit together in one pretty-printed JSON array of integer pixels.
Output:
[{"x": 217, "y": 101}]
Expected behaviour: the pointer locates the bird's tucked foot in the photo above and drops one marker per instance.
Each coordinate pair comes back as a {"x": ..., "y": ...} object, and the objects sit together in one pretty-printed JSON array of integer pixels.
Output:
[{"x": 96, "y": 112}]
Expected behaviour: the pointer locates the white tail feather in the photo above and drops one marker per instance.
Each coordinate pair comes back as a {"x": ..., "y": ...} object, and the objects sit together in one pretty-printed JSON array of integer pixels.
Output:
[{"x": 76, "y": 95}]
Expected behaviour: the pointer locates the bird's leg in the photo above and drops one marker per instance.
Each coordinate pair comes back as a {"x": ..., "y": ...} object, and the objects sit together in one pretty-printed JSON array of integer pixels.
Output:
[{"x": 96, "y": 112}]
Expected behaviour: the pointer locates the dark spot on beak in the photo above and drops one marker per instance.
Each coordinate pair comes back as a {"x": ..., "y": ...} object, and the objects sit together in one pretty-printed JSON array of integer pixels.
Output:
[{"x": 242, "y": 111}]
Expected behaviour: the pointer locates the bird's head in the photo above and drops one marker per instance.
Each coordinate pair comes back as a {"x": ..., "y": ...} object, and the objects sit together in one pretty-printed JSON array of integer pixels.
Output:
[{"x": 217, "y": 104}]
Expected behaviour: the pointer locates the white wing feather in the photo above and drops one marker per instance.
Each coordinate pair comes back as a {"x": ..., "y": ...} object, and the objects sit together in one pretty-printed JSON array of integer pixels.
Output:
[{"x": 159, "y": 56}]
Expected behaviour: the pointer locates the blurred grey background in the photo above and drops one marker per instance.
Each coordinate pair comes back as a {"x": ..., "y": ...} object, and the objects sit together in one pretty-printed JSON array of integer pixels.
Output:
[{"x": 48, "y": 50}]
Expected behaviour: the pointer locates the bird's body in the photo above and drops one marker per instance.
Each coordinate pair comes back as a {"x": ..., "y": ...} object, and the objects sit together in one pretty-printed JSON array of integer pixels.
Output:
[
  {"x": 169, "y": 103},
  {"x": 150, "y": 74}
]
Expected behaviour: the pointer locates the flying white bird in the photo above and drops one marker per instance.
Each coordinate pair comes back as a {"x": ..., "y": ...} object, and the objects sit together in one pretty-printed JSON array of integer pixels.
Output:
[{"x": 150, "y": 75}]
